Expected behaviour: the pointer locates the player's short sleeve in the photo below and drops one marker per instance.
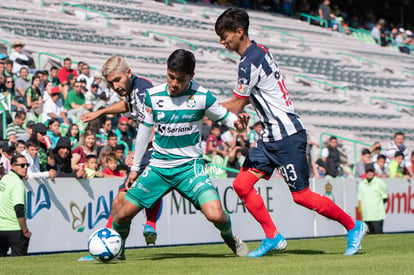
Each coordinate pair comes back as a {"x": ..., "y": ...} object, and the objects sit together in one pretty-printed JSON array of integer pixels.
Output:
[
  {"x": 216, "y": 112},
  {"x": 147, "y": 114},
  {"x": 247, "y": 78},
  {"x": 210, "y": 99}
]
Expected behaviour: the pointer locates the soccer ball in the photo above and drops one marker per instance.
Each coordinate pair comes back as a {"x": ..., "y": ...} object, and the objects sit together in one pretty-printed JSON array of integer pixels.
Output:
[{"x": 104, "y": 244}]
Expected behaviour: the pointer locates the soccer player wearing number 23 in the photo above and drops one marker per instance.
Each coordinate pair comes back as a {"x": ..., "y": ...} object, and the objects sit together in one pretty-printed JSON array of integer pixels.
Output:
[{"x": 283, "y": 139}]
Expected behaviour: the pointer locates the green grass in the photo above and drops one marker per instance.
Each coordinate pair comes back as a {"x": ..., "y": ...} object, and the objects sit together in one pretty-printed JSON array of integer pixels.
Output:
[{"x": 386, "y": 254}]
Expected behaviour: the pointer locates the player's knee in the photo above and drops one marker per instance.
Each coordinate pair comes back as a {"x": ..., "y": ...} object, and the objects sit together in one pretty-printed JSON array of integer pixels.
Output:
[
  {"x": 215, "y": 215},
  {"x": 301, "y": 197}
]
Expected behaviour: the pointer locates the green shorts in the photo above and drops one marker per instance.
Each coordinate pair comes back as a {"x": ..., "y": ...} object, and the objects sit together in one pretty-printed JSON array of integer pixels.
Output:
[{"x": 190, "y": 180}]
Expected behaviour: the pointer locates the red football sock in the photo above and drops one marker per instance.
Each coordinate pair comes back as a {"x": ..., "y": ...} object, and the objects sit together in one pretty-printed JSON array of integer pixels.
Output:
[
  {"x": 152, "y": 214},
  {"x": 109, "y": 222},
  {"x": 243, "y": 185},
  {"x": 324, "y": 206}
]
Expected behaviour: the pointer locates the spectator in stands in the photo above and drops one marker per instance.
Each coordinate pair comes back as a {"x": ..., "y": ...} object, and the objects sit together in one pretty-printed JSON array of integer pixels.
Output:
[
  {"x": 15, "y": 128},
  {"x": 372, "y": 195},
  {"x": 20, "y": 60},
  {"x": 7, "y": 152},
  {"x": 87, "y": 146},
  {"x": 235, "y": 160},
  {"x": 75, "y": 102},
  {"x": 2, "y": 66},
  {"x": 123, "y": 131},
  {"x": 214, "y": 144},
  {"x": 360, "y": 166},
  {"x": 54, "y": 131},
  {"x": 381, "y": 169},
  {"x": 91, "y": 168},
  {"x": 112, "y": 141},
  {"x": 328, "y": 191},
  {"x": 79, "y": 68},
  {"x": 102, "y": 102},
  {"x": 402, "y": 41},
  {"x": 375, "y": 151},
  {"x": 205, "y": 132},
  {"x": 331, "y": 158},
  {"x": 412, "y": 162},
  {"x": 26, "y": 136},
  {"x": 33, "y": 97},
  {"x": 8, "y": 71},
  {"x": 120, "y": 153},
  {"x": 21, "y": 84},
  {"x": 31, "y": 154},
  {"x": 20, "y": 146},
  {"x": 378, "y": 32},
  {"x": 9, "y": 89},
  {"x": 85, "y": 75},
  {"x": 97, "y": 79},
  {"x": 53, "y": 76},
  {"x": 104, "y": 131},
  {"x": 395, "y": 169},
  {"x": 46, "y": 154},
  {"x": 254, "y": 134},
  {"x": 321, "y": 168},
  {"x": 53, "y": 107},
  {"x": 63, "y": 157},
  {"x": 325, "y": 12},
  {"x": 91, "y": 97},
  {"x": 110, "y": 167},
  {"x": 64, "y": 72},
  {"x": 398, "y": 145},
  {"x": 73, "y": 134}
]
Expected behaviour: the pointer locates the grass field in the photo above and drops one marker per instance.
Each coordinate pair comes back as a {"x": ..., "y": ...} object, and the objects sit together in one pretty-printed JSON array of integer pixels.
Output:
[{"x": 386, "y": 254}]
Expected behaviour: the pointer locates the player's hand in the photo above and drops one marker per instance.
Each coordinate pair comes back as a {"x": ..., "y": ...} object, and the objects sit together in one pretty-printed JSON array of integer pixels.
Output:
[
  {"x": 132, "y": 177},
  {"x": 27, "y": 234},
  {"x": 89, "y": 116},
  {"x": 242, "y": 121},
  {"x": 130, "y": 159},
  {"x": 52, "y": 174}
]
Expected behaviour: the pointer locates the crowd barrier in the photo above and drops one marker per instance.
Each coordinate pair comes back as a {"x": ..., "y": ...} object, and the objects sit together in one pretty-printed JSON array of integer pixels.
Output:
[{"x": 63, "y": 214}]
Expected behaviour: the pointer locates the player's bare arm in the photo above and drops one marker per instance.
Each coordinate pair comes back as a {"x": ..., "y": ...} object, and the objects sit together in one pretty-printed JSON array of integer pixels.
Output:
[
  {"x": 116, "y": 108},
  {"x": 235, "y": 104}
]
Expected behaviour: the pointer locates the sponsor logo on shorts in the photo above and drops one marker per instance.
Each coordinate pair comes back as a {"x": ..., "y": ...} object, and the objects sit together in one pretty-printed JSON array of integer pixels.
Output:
[{"x": 141, "y": 187}]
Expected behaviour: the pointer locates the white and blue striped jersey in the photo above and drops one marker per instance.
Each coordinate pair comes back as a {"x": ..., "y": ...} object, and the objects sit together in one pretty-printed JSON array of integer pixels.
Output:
[
  {"x": 178, "y": 121},
  {"x": 135, "y": 100},
  {"x": 260, "y": 80}
]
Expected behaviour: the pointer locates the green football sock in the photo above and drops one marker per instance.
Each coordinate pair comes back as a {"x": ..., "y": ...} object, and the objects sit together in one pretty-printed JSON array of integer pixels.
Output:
[
  {"x": 225, "y": 229},
  {"x": 123, "y": 230}
]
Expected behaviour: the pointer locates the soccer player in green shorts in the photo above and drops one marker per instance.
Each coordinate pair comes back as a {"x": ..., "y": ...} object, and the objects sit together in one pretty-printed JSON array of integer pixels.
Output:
[{"x": 176, "y": 110}]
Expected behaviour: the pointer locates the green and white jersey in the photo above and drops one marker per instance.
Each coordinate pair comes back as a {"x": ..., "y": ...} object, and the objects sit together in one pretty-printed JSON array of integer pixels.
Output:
[{"x": 178, "y": 122}]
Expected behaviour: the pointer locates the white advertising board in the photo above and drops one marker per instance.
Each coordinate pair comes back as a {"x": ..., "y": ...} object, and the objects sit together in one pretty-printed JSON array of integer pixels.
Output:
[{"x": 63, "y": 214}]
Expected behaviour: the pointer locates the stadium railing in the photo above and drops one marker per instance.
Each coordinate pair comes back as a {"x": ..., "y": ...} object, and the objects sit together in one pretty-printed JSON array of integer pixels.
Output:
[
  {"x": 355, "y": 142},
  {"x": 320, "y": 82},
  {"x": 309, "y": 17},
  {"x": 398, "y": 104},
  {"x": 9, "y": 44},
  {"x": 192, "y": 45},
  {"x": 283, "y": 34},
  {"x": 86, "y": 11},
  {"x": 58, "y": 57},
  {"x": 228, "y": 55},
  {"x": 359, "y": 59}
]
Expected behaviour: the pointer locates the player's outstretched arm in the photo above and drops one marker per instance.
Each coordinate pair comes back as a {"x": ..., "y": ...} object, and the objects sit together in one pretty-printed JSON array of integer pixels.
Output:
[
  {"x": 235, "y": 104},
  {"x": 116, "y": 108}
]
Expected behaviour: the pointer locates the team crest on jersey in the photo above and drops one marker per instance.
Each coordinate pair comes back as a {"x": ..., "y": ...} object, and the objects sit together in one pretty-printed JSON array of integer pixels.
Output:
[
  {"x": 191, "y": 103},
  {"x": 160, "y": 115},
  {"x": 148, "y": 110}
]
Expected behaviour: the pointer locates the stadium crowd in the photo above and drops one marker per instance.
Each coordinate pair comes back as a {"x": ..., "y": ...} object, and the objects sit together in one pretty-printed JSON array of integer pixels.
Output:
[{"x": 43, "y": 110}]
